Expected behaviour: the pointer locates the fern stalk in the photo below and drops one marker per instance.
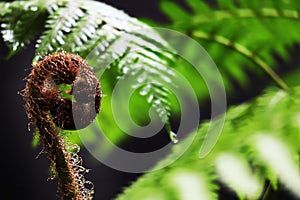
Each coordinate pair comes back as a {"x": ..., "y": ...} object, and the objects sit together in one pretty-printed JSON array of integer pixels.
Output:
[
  {"x": 268, "y": 192},
  {"x": 55, "y": 147},
  {"x": 60, "y": 159},
  {"x": 51, "y": 114},
  {"x": 244, "y": 51}
]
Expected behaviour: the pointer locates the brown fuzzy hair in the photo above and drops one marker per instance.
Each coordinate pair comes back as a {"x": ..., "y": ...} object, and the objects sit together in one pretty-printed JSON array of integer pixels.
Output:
[{"x": 51, "y": 113}]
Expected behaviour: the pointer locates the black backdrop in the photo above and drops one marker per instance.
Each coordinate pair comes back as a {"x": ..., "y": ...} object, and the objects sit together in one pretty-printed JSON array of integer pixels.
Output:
[{"x": 22, "y": 176}]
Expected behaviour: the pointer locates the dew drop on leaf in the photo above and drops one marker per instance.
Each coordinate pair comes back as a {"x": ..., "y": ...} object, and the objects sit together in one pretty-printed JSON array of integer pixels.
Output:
[{"x": 173, "y": 137}]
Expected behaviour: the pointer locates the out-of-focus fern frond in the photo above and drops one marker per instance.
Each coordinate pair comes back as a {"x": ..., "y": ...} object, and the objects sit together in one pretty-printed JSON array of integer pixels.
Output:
[
  {"x": 265, "y": 28},
  {"x": 254, "y": 146}
]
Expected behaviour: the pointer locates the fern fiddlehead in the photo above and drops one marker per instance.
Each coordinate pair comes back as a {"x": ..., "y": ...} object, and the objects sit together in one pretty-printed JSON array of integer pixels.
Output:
[
  {"x": 89, "y": 28},
  {"x": 51, "y": 112}
]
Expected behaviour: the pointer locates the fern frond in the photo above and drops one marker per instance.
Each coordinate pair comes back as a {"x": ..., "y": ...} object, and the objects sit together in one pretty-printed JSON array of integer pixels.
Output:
[
  {"x": 244, "y": 51},
  {"x": 61, "y": 20},
  {"x": 254, "y": 146},
  {"x": 20, "y": 22},
  {"x": 107, "y": 38},
  {"x": 242, "y": 13},
  {"x": 256, "y": 25}
]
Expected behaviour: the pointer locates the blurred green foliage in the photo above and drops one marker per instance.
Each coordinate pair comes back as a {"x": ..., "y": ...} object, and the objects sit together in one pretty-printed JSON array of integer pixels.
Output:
[
  {"x": 245, "y": 39},
  {"x": 271, "y": 118}
]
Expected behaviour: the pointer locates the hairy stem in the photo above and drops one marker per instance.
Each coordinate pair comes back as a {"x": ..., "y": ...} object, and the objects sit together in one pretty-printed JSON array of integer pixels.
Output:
[
  {"x": 60, "y": 159},
  {"x": 51, "y": 113},
  {"x": 267, "y": 193}
]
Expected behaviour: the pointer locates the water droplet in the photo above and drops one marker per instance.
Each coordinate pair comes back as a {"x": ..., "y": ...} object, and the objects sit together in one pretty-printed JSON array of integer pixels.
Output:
[
  {"x": 173, "y": 137},
  {"x": 33, "y": 8},
  {"x": 29, "y": 126},
  {"x": 51, "y": 178}
]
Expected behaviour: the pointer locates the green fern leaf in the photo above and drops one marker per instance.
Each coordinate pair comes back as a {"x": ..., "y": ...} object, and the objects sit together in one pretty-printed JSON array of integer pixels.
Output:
[
  {"x": 254, "y": 146},
  {"x": 20, "y": 22},
  {"x": 198, "y": 6},
  {"x": 174, "y": 11},
  {"x": 253, "y": 25},
  {"x": 62, "y": 18},
  {"x": 110, "y": 41}
]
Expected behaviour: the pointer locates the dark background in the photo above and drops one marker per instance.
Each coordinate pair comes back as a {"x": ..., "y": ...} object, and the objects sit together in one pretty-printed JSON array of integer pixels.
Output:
[{"x": 22, "y": 176}]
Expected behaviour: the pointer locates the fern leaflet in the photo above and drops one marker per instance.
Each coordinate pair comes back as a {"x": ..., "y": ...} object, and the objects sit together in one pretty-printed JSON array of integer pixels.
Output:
[
  {"x": 255, "y": 26},
  {"x": 253, "y": 146},
  {"x": 103, "y": 35}
]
